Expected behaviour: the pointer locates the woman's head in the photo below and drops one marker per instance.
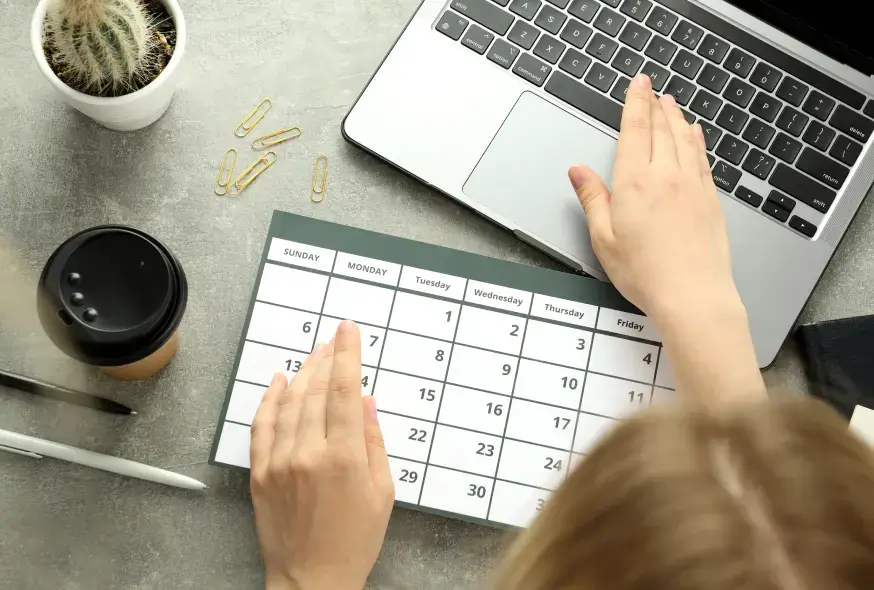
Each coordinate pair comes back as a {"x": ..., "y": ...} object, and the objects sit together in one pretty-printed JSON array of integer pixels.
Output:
[{"x": 766, "y": 496}]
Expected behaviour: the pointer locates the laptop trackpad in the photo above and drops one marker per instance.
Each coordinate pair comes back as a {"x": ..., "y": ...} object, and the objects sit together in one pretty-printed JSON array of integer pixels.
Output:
[{"x": 523, "y": 174}]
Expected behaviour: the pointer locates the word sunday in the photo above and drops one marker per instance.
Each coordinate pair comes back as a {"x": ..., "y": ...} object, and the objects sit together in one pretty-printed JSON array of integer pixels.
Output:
[{"x": 300, "y": 254}]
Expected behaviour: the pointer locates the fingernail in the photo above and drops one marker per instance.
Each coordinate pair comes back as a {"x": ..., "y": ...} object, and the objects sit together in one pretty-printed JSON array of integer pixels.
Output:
[
  {"x": 345, "y": 327},
  {"x": 370, "y": 404},
  {"x": 577, "y": 176},
  {"x": 277, "y": 379},
  {"x": 669, "y": 100},
  {"x": 699, "y": 133},
  {"x": 642, "y": 81}
]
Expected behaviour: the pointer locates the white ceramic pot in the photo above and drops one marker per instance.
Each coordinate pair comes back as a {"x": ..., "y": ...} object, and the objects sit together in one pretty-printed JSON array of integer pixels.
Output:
[{"x": 123, "y": 113}]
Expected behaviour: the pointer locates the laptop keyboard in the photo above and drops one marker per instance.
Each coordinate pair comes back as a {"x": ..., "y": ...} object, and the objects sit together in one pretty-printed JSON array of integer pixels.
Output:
[{"x": 765, "y": 115}]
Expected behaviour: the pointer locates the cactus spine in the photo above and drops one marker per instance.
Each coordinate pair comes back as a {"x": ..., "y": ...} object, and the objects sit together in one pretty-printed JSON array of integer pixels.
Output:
[{"x": 102, "y": 46}]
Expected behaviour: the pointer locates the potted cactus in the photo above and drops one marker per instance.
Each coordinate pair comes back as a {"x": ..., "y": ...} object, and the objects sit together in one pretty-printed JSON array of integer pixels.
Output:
[{"x": 114, "y": 60}]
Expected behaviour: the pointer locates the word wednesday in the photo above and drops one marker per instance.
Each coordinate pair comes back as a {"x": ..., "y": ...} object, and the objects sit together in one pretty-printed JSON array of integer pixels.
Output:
[{"x": 495, "y": 297}]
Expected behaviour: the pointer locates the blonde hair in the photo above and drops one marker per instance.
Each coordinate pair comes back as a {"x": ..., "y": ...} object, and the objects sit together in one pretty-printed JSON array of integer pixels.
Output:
[{"x": 768, "y": 496}]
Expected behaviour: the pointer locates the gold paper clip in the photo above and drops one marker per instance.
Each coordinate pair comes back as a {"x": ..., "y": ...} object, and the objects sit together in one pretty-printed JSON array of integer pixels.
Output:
[
  {"x": 219, "y": 183},
  {"x": 246, "y": 125},
  {"x": 245, "y": 179},
  {"x": 260, "y": 144},
  {"x": 319, "y": 190}
]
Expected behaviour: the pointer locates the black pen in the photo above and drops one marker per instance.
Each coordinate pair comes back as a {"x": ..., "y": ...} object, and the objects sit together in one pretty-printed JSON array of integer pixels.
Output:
[{"x": 49, "y": 390}]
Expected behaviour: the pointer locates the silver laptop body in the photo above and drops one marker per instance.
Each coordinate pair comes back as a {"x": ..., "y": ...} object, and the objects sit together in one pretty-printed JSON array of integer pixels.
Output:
[{"x": 498, "y": 137}]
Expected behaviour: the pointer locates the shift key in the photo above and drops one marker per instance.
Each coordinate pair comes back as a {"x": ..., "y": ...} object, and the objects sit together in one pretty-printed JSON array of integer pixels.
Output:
[{"x": 485, "y": 13}]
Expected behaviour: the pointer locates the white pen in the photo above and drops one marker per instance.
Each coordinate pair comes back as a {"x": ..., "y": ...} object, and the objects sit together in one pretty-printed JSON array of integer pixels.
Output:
[{"x": 38, "y": 448}]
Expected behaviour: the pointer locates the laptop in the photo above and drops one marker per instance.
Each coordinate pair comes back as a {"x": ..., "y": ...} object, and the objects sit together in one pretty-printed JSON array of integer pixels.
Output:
[{"x": 490, "y": 102}]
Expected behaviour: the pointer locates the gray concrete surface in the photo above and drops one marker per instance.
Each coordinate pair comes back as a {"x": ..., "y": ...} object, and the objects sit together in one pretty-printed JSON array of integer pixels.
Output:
[{"x": 66, "y": 527}]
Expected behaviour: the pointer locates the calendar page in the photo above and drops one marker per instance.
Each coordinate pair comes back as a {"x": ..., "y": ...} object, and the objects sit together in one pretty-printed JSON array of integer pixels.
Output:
[{"x": 492, "y": 379}]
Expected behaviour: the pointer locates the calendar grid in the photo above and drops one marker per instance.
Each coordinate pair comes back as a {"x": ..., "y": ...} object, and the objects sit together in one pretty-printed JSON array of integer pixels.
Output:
[
  {"x": 442, "y": 393},
  {"x": 477, "y": 465}
]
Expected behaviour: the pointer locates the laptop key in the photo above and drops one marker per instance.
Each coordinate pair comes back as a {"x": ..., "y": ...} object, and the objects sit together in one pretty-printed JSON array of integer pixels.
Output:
[
  {"x": 781, "y": 200},
  {"x": 576, "y": 33},
  {"x": 869, "y": 108},
  {"x": 501, "y": 2},
  {"x": 739, "y": 92},
  {"x": 532, "y": 69},
  {"x": 681, "y": 89},
  {"x": 550, "y": 19},
  {"x": 705, "y": 104},
  {"x": 585, "y": 99},
  {"x": 819, "y": 136},
  {"x": 802, "y": 226},
  {"x": 759, "y": 164},
  {"x": 523, "y": 34},
  {"x": 687, "y": 64},
  {"x": 759, "y": 133},
  {"x": 748, "y": 196},
  {"x": 600, "y": 77},
  {"x": 503, "y": 54},
  {"x": 612, "y": 3},
  {"x": 711, "y": 134},
  {"x": 765, "y": 106},
  {"x": 792, "y": 121},
  {"x": 713, "y": 78},
  {"x": 525, "y": 8},
  {"x": 635, "y": 36},
  {"x": 549, "y": 48},
  {"x": 739, "y": 63},
  {"x": 775, "y": 211},
  {"x": 636, "y": 9},
  {"x": 620, "y": 89},
  {"x": 602, "y": 47},
  {"x": 732, "y": 149},
  {"x": 846, "y": 150},
  {"x": 661, "y": 50},
  {"x": 610, "y": 22},
  {"x": 802, "y": 187},
  {"x": 852, "y": 123},
  {"x": 822, "y": 168},
  {"x": 710, "y": 159},
  {"x": 732, "y": 119},
  {"x": 560, "y": 3},
  {"x": 575, "y": 63},
  {"x": 792, "y": 91},
  {"x": 766, "y": 77},
  {"x": 690, "y": 118},
  {"x": 477, "y": 39},
  {"x": 452, "y": 25},
  {"x": 585, "y": 10},
  {"x": 818, "y": 105},
  {"x": 662, "y": 21},
  {"x": 627, "y": 62},
  {"x": 785, "y": 148},
  {"x": 725, "y": 176},
  {"x": 687, "y": 34},
  {"x": 713, "y": 49},
  {"x": 485, "y": 13},
  {"x": 657, "y": 74}
]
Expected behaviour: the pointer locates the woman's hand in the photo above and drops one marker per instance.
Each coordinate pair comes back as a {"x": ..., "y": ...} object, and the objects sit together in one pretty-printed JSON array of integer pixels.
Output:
[
  {"x": 321, "y": 484},
  {"x": 660, "y": 234},
  {"x": 661, "y": 237}
]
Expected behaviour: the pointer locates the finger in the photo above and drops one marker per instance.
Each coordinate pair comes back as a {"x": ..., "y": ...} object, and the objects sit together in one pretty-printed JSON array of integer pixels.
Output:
[
  {"x": 663, "y": 150},
  {"x": 635, "y": 141},
  {"x": 703, "y": 161},
  {"x": 291, "y": 401},
  {"x": 263, "y": 430},
  {"x": 377, "y": 458},
  {"x": 312, "y": 427},
  {"x": 595, "y": 199},
  {"x": 345, "y": 422},
  {"x": 684, "y": 142}
]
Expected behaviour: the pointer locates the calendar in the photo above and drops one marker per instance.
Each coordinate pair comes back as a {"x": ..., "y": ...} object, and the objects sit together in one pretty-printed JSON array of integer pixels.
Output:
[{"x": 492, "y": 379}]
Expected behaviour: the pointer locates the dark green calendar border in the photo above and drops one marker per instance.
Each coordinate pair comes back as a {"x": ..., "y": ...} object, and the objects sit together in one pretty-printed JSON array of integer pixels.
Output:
[{"x": 342, "y": 238}]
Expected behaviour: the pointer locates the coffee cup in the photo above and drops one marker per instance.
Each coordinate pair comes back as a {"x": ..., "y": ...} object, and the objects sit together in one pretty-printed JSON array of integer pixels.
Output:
[{"x": 113, "y": 297}]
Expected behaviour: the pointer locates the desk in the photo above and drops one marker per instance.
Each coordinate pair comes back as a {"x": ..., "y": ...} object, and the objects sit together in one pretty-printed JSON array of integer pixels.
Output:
[{"x": 69, "y": 527}]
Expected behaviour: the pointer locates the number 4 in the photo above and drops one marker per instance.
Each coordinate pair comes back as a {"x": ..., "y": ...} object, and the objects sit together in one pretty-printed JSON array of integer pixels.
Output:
[{"x": 648, "y": 358}]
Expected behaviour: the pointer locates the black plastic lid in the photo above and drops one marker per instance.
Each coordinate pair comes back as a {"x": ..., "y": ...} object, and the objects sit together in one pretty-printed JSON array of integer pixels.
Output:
[{"x": 111, "y": 295}]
